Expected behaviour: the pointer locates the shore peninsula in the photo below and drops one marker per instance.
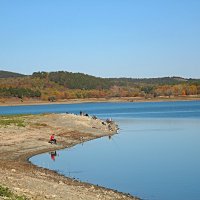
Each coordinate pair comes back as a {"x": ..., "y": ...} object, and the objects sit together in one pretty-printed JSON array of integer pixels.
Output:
[{"x": 26, "y": 135}]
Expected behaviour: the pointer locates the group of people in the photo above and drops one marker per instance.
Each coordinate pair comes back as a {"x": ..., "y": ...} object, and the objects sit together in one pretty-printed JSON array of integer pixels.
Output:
[
  {"x": 83, "y": 114},
  {"x": 109, "y": 121}
]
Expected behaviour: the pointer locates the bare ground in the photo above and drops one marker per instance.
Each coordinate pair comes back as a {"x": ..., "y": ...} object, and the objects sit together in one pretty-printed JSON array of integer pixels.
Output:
[
  {"x": 28, "y": 135},
  {"x": 17, "y": 101}
]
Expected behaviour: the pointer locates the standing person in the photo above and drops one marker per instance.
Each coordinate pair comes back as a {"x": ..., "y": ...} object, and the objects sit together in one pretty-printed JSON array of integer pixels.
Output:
[{"x": 52, "y": 139}]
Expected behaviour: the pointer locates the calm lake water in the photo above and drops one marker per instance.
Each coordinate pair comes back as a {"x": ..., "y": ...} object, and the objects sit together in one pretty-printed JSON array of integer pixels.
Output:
[{"x": 156, "y": 154}]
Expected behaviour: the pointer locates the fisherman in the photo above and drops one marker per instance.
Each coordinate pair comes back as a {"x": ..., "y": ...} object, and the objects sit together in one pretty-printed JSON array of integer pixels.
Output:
[{"x": 52, "y": 139}]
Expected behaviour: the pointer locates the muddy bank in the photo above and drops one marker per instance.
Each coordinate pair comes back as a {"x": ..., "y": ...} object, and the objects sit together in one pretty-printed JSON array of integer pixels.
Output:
[
  {"x": 25, "y": 136},
  {"x": 17, "y": 101}
]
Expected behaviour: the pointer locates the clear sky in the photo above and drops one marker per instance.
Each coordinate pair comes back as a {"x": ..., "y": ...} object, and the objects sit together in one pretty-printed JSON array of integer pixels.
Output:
[{"x": 106, "y": 38}]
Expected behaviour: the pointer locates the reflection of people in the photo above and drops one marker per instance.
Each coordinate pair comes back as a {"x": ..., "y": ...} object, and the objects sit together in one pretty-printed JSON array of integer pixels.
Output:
[
  {"x": 53, "y": 155},
  {"x": 52, "y": 139}
]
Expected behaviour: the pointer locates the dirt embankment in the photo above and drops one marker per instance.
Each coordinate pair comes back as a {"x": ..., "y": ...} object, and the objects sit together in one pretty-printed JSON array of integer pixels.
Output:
[
  {"x": 17, "y": 101},
  {"x": 24, "y": 136}
]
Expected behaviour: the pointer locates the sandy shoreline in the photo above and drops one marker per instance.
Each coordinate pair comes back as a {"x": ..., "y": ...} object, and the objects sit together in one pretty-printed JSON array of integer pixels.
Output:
[
  {"x": 17, "y": 102},
  {"x": 29, "y": 136}
]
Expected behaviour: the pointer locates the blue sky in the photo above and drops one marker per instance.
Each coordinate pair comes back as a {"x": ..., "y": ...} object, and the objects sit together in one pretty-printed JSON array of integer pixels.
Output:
[{"x": 106, "y": 38}]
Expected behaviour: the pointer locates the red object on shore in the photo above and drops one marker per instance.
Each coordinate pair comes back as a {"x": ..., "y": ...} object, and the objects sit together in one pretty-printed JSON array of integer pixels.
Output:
[{"x": 52, "y": 137}]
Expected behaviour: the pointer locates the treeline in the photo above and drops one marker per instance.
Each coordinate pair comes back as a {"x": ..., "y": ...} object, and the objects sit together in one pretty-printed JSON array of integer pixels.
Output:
[
  {"x": 83, "y": 81},
  {"x": 153, "y": 81},
  {"x": 172, "y": 90},
  {"x": 19, "y": 92},
  {"x": 53, "y": 86}
]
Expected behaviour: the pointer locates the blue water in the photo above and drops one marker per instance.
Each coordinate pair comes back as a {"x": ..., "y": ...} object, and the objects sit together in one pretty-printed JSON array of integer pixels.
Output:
[
  {"x": 122, "y": 110},
  {"x": 155, "y": 155}
]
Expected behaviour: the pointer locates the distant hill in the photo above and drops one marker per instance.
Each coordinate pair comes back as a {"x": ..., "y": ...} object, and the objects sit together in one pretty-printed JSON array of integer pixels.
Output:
[
  {"x": 84, "y": 81},
  {"x": 74, "y": 80},
  {"x": 68, "y": 85},
  {"x": 7, "y": 74},
  {"x": 154, "y": 81}
]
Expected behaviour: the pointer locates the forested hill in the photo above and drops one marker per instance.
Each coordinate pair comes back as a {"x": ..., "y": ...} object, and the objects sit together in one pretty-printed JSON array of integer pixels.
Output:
[
  {"x": 7, "y": 74},
  {"x": 155, "y": 81},
  {"x": 74, "y": 80},
  {"x": 84, "y": 81},
  {"x": 68, "y": 85}
]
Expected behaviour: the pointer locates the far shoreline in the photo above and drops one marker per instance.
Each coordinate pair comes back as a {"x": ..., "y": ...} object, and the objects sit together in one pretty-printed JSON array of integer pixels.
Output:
[{"x": 17, "y": 102}]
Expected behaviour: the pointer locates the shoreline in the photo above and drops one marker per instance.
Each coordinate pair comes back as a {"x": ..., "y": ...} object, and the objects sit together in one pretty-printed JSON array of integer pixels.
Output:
[
  {"x": 100, "y": 100},
  {"x": 87, "y": 184},
  {"x": 23, "y": 178}
]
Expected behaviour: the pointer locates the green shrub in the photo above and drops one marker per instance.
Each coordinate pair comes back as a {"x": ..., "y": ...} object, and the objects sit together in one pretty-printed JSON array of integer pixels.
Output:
[
  {"x": 5, "y": 192},
  {"x": 6, "y": 121}
]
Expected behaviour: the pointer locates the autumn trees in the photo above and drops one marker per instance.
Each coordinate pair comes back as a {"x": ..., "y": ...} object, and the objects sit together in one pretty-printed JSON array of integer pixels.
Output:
[
  {"x": 66, "y": 85},
  {"x": 19, "y": 92}
]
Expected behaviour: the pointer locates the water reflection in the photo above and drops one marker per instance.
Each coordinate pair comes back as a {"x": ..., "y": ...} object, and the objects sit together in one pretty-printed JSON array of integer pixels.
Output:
[{"x": 53, "y": 155}]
